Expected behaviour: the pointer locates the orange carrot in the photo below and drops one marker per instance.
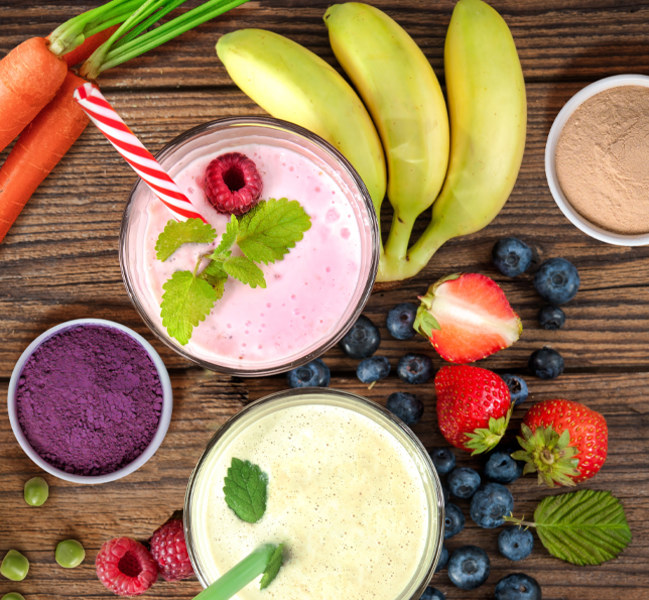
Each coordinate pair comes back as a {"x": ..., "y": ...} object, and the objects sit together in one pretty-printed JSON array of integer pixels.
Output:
[
  {"x": 38, "y": 150},
  {"x": 80, "y": 53},
  {"x": 30, "y": 75}
]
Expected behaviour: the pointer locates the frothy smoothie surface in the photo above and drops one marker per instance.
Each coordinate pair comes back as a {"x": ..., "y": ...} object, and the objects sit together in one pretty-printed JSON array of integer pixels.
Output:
[
  {"x": 344, "y": 495},
  {"x": 309, "y": 293}
]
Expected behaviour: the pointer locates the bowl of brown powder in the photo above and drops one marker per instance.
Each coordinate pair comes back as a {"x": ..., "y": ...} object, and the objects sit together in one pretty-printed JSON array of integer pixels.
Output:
[{"x": 597, "y": 160}]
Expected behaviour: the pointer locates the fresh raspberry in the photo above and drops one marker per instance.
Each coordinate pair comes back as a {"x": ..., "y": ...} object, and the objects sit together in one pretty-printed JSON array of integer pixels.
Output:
[
  {"x": 232, "y": 183},
  {"x": 126, "y": 567},
  {"x": 169, "y": 550}
]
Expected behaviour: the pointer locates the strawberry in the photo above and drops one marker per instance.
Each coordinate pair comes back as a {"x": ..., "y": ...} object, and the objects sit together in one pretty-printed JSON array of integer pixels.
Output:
[
  {"x": 466, "y": 317},
  {"x": 564, "y": 441},
  {"x": 473, "y": 407}
]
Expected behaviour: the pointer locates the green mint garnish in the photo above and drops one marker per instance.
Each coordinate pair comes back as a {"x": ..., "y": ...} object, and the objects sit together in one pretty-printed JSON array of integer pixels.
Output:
[
  {"x": 186, "y": 301},
  {"x": 265, "y": 560},
  {"x": 177, "y": 233},
  {"x": 585, "y": 527},
  {"x": 245, "y": 490},
  {"x": 264, "y": 235},
  {"x": 272, "y": 568},
  {"x": 271, "y": 229}
]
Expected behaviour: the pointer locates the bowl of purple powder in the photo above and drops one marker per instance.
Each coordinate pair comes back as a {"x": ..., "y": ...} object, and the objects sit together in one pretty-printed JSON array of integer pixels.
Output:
[{"x": 89, "y": 401}]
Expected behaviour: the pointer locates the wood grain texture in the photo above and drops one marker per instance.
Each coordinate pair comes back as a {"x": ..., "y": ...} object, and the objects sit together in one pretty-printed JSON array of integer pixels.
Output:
[{"x": 60, "y": 261}]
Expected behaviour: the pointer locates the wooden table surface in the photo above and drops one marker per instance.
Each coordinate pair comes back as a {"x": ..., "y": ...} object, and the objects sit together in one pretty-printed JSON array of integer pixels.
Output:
[{"x": 60, "y": 262}]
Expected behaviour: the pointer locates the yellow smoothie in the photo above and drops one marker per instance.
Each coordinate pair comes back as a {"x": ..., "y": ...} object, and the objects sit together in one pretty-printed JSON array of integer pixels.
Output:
[{"x": 350, "y": 494}]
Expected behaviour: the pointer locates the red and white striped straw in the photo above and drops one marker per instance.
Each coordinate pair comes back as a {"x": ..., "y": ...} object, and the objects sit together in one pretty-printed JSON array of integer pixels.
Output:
[{"x": 104, "y": 116}]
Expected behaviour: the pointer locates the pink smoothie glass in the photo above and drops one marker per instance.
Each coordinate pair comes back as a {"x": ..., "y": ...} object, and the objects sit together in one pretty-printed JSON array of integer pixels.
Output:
[{"x": 312, "y": 297}]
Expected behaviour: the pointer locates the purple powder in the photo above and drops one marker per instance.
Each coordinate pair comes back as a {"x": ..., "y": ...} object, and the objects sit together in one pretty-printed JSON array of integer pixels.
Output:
[{"x": 89, "y": 400}]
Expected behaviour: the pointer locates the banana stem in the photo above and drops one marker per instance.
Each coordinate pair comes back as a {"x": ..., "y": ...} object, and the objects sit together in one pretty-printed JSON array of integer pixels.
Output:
[
  {"x": 396, "y": 246},
  {"x": 393, "y": 268}
]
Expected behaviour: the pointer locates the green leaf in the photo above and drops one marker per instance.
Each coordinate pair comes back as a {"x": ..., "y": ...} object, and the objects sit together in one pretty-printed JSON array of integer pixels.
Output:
[
  {"x": 273, "y": 566},
  {"x": 245, "y": 490},
  {"x": 186, "y": 301},
  {"x": 177, "y": 233},
  {"x": 425, "y": 323},
  {"x": 585, "y": 527},
  {"x": 227, "y": 240},
  {"x": 271, "y": 229},
  {"x": 246, "y": 271}
]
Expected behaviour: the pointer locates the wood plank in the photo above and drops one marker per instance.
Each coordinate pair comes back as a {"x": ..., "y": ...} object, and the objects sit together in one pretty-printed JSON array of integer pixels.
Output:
[{"x": 136, "y": 505}]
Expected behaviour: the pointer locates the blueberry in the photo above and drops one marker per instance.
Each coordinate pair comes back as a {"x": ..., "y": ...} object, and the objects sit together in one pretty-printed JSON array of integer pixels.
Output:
[
  {"x": 454, "y": 520},
  {"x": 517, "y": 586},
  {"x": 362, "y": 340},
  {"x": 315, "y": 373},
  {"x": 515, "y": 543},
  {"x": 415, "y": 368},
  {"x": 557, "y": 280},
  {"x": 545, "y": 363},
  {"x": 373, "y": 368},
  {"x": 517, "y": 388},
  {"x": 551, "y": 317},
  {"x": 400, "y": 319},
  {"x": 463, "y": 482},
  {"x": 431, "y": 593},
  {"x": 405, "y": 406},
  {"x": 468, "y": 567},
  {"x": 502, "y": 468},
  {"x": 490, "y": 504},
  {"x": 443, "y": 559},
  {"x": 443, "y": 459},
  {"x": 511, "y": 256}
]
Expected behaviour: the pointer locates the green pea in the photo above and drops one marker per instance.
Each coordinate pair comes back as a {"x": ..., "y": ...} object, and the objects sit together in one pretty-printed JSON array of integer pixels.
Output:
[
  {"x": 13, "y": 596},
  {"x": 14, "y": 566},
  {"x": 36, "y": 491},
  {"x": 69, "y": 554}
]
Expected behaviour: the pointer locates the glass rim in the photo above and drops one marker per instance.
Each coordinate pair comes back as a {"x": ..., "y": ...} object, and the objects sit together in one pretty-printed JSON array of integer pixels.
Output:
[
  {"x": 336, "y": 155},
  {"x": 435, "y": 535}
]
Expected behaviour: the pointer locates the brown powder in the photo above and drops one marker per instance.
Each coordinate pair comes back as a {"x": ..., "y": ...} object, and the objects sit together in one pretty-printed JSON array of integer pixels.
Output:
[{"x": 602, "y": 159}]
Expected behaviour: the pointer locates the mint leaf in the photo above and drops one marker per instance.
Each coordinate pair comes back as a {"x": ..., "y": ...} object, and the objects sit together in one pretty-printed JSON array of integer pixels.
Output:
[
  {"x": 227, "y": 240},
  {"x": 585, "y": 527},
  {"x": 271, "y": 229},
  {"x": 177, "y": 233},
  {"x": 273, "y": 566},
  {"x": 261, "y": 561},
  {"x": 186, "y": 301},
  {"x": 246, "y": 271},
  {"x": 245, "y": 490}
]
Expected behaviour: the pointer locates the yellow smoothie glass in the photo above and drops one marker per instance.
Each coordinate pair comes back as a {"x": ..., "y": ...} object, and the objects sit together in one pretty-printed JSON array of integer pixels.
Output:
[{"x": 352, "y": 494}]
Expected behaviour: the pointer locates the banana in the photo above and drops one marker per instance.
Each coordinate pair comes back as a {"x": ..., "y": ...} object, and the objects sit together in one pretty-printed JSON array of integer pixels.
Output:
[
  {"x": 292, "y": 83},
  {"x": 402, "y": 93},
  {"x": 488, "y": 112}
]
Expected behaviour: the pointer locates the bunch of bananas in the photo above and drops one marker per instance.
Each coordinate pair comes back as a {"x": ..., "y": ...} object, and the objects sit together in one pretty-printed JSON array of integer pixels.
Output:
[{"x": 464, "y": 169}]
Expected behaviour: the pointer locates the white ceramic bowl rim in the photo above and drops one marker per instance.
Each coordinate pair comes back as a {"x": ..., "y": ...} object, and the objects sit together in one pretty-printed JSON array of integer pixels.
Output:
[
  {"x": 165, "y": 413},
  {"x": 562, "y": 117}
]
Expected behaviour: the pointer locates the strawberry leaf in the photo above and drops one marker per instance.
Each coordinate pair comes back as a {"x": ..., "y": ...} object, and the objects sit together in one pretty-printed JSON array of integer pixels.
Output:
[{"x": 585, "y": 527}]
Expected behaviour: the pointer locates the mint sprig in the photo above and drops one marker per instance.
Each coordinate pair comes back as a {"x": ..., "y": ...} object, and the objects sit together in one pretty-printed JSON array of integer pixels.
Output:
[
  {"x": 265, "y": 561},
  {"x": 263, "y": 235},
  {"x": 585, "y": 527},
  {"x": 246, "y": 490}
]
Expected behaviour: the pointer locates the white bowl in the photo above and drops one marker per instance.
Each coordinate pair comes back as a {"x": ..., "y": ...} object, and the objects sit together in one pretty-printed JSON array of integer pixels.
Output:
[
  {"x": 165, "y": 412},
  {"x": 561, "y": 119}
]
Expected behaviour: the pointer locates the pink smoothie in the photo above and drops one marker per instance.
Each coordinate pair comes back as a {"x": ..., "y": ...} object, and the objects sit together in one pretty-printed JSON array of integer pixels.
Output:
[{"x": 309, "y": 294}]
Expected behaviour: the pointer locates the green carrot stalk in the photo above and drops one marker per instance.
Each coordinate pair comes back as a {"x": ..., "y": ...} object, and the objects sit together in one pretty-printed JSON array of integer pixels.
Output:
[
  {"x": 119, "y": 49},
  {"x": 76, "y": 30},
  {"x": 263, "y": 560}
]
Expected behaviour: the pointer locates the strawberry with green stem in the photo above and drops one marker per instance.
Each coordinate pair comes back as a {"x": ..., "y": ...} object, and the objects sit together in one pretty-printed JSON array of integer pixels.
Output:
[
  {"x": 564, "y": 441},
  {"x": 473, "y": 407},
  {"x": 466, "y": 317}
]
